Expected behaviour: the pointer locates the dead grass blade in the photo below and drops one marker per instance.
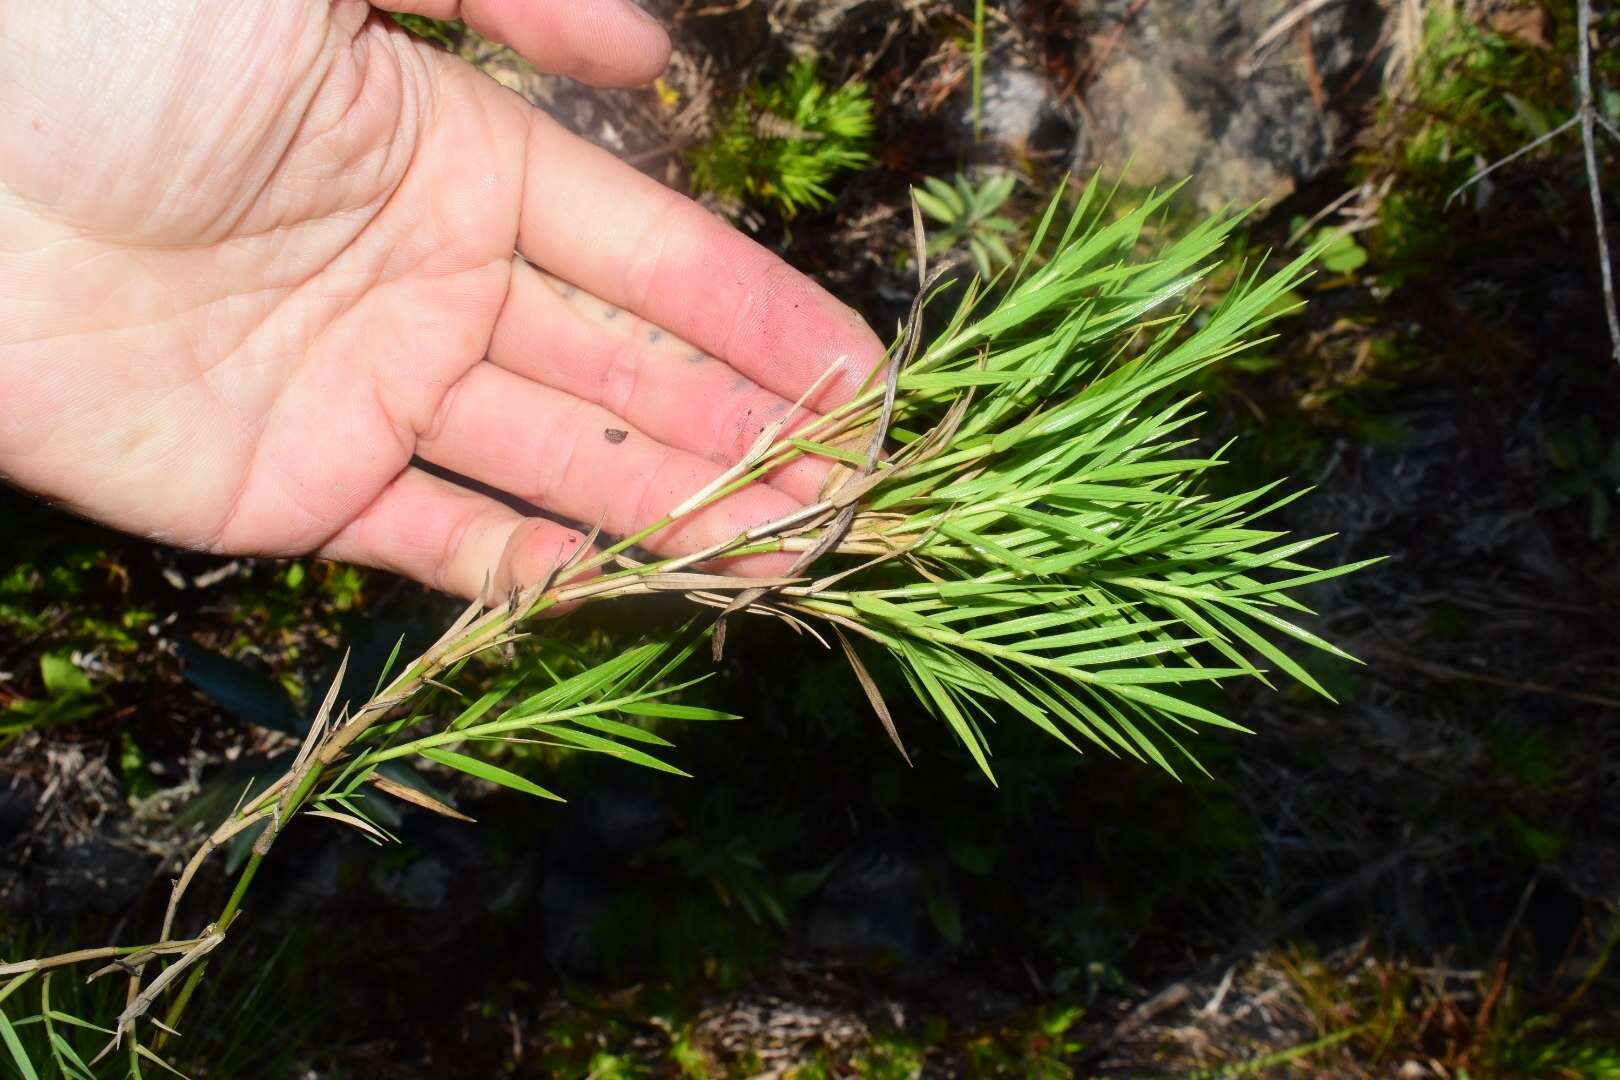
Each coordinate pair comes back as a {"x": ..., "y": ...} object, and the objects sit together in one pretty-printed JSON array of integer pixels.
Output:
[
  {"x": 137, "y": 1008},
  {"x": 406, "y": 793},
  {"x": 350, "y": 820},
  {"x": 873, "y": 694}
]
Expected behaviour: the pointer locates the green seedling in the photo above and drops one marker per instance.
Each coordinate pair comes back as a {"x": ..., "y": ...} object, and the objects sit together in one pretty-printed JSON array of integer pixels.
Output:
[
  {"x": 968, "y": 216},
  {"x": 1589, "y": 475}
]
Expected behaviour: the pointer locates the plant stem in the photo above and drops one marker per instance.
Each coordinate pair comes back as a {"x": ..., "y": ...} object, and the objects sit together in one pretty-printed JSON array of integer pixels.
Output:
[
  {"x": 491, "y": 626},
  {"x": 978, "y": 67},
  {"x": 1587, "y": 111},
  {"x": 227, "y": 916},
  {"x": 782, "y": 452},
  {"x": 499, "y": 621},
  {"x": 79, "y": 956}
]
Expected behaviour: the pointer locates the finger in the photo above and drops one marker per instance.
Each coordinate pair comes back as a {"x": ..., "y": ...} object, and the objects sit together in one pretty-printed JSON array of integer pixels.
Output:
[
  {"x": 452, "y": 539},
  {"x": 602, "y": 42},
  {"x": 579, "y": 461},
  {"x": 596, "y": 222},
  {"x": 563, "y": 337}
]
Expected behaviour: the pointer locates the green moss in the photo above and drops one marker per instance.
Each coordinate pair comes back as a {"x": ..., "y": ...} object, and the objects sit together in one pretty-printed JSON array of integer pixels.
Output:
[
  {"x": 1524, "y": 1050},
  {"x": 1475, "y": 97},
  {"x": 890, "y": 1056}
]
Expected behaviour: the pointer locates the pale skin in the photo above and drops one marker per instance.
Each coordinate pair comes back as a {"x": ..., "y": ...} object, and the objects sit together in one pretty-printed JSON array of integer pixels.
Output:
[{"x": 256, "y": 256}]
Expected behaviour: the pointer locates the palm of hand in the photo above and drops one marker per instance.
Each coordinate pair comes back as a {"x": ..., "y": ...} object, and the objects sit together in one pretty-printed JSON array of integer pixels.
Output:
[{"x": 278, "y": 263}]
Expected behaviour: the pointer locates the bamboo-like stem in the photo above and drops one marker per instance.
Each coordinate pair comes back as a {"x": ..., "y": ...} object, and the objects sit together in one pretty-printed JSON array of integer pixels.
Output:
[
  {"x": 282, "y": 800},
  {"x": 83, "y": 956},
  {"x": 222, "y": 835},
  {"x": 227, "y": 916},
  {"x": 858, "y": 412},
  {"x": 933, "y": 510},
  {"x": 295, "y": 787}
]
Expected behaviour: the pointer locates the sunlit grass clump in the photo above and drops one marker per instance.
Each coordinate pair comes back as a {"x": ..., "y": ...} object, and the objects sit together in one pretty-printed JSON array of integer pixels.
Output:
[{"x": 783, "y": 142}]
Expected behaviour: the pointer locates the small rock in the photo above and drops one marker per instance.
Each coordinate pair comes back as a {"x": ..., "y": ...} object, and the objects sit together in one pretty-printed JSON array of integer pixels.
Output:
[
  {"x": 18, "y": 806},
  {"x": 873, "y": 906},
  {"x": 1012, "y": 105},
  {"x": 1531, "y": 25},
  {"x": 424, "y": 885},
  {"x": 516, "y": 881},
  {"x": 611, "y": 823},
  {"x": 1019, "y": 113},
  {"x": 1231, "y": 95},
  {"x": 95, "y": 877},
  {"x": 572, "y": 906}
]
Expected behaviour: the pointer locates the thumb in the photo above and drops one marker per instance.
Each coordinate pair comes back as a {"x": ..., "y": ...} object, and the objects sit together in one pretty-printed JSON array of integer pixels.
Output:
[{"x": 601, "y": 42}]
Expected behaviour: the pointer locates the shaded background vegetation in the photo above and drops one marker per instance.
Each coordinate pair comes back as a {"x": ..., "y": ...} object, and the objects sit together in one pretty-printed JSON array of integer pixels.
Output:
[{"x": 1420, "y": 881}]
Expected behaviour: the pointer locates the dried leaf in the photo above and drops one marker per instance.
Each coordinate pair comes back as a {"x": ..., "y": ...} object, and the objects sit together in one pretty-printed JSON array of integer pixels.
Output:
[
  {"x": 350, "y": 820},
  {"x": 873, "y": 694},
  {"x": 406, "y": 793}
]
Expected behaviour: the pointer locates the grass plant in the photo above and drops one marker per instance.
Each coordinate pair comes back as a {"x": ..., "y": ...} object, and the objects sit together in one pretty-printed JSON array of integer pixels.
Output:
[
  {"x": 69, "y": 697},
  {"x": 783, "y": 142},
  {"x": 1019, "y": 530},
  {"x": 970, "y": 216},
  {"x": 978, "y": 68}
]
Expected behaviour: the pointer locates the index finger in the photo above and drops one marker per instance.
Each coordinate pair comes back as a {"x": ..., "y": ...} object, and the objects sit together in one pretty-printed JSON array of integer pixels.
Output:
[{"x": 596, "y": 222}]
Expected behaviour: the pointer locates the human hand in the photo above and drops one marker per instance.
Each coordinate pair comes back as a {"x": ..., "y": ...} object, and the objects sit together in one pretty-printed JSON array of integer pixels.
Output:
[{"x": 256, "y": 256}]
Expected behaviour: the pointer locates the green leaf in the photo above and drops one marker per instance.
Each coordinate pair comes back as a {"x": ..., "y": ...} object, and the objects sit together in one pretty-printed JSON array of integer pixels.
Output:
[
  {"x": 674, "y": 712},
  {"x": 997, "y": 247},
  {"x": 483, "y": 770},
  {"x": 73, "y": 1021},
  {"x": 587, "y": 741},
  {"x": 947, "y": 195},
  {"x": 14, "y": 1047},
  {"x": 249, "y": 695},
  {"x": 1532, "y": 119},
  {"x": 835, "y": 453},
  {"x": 474, "y": 712},
  {"x": 68, "y": 1060},
  {"x": 995, "y": 191},
  {"x": 1340, "y": 254},
  {"x": 945, "y": 704},
  {"x": 622, "y": 730},
  {"x": 388, "y": 665},
  {"x": 62, "y": 677},
  {"x": 934, "y": 206},
  {"x": 159, "y": 1062},
  {"x": 970, "y": 856},
  {"x": 981, "y": 257},
  {"x": 593, "y": 681}
]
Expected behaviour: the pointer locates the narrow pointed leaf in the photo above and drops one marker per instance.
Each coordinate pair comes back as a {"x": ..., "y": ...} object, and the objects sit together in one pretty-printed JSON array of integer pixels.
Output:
[{"x": 483, "y": 770}]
